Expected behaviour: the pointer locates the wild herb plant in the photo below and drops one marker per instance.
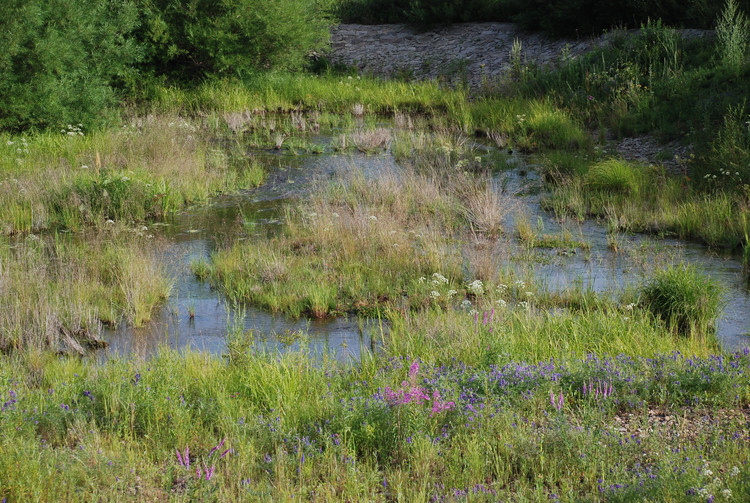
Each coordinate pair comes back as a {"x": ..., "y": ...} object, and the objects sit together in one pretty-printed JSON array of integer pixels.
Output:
[{"x": 733, "y": 35}]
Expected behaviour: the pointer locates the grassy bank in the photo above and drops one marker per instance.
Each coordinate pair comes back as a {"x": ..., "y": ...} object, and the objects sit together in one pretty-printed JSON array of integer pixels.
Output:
[
  {"x": 271, "y": 428},
  {"x": 146, "y": 169},
  {"x": 630, "y": 197},
  {"x": 57, "y": 293}
]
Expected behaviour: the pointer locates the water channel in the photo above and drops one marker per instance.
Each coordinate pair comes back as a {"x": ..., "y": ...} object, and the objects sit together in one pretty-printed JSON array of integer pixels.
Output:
[{"x": 193, "y": 234}]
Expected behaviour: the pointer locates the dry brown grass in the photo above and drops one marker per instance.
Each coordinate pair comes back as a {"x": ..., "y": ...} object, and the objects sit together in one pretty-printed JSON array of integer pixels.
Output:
[
  {"x": 370, "y": 140},
  {"x": 485, "y": 206}
]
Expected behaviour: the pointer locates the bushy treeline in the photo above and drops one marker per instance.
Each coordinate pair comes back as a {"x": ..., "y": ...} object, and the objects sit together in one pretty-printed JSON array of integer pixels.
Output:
[
  {"x": 557, "y": 17},
  {"x": 66, "y": 61}
]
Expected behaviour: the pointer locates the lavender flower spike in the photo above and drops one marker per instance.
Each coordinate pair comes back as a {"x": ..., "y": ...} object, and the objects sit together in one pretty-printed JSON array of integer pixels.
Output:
[
  {"x": 187, "y": 456},
  {"x": 217, "y": 447},
  {"x": 210, "y": 473},
  {"x": 179, "y": 457},
  {"x": 552, "y": 398},
  {"x": 561, "y": 402}
]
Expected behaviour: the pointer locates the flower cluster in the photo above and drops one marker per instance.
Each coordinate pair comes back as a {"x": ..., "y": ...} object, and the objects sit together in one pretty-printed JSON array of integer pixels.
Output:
[
  {"x": 208, "y": 473},
  {"x": 73, "y": 130},
  {"x": 412, "y": 393}
]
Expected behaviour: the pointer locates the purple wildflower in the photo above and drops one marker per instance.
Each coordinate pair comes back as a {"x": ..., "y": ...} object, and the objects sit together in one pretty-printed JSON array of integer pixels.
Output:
[{"x": 216, "y": 448}]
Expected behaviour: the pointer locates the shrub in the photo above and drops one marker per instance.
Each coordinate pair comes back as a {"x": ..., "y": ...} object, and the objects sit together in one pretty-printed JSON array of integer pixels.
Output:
[
  {"x": 192, "y": 40},
  {"x": 68, "y": 61},
  {"x": 683, "y": 298},
  {"x": 423, "y": 11},
  {"x": 62, "y": 61},
  {"x": 733, "y": 35},
  {"x": 614, "y": 175}
]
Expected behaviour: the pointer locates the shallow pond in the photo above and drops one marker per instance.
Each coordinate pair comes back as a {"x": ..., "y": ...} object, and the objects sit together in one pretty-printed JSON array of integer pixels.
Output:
[{"x": 197, "y": 317}]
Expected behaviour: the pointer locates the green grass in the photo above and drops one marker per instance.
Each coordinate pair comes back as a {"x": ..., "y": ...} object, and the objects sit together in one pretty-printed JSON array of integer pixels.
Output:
[
  {"x": 635, "y": 198},
  {"x": 111, "y": 431},
  {"x": 146, "y": 169},
  {"x": 57, "y": 293},
  {"x": 683, "y": 298},
  {"x": 353, "y": 247}
]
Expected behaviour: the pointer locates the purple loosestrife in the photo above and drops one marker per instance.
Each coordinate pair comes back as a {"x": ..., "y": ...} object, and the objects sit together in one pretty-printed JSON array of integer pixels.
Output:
[
  {"x": 216, "y": 448},
  {"x": 557, "y": 403}
]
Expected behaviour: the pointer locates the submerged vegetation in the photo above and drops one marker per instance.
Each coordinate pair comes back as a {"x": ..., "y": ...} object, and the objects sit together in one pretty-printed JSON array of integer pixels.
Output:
[{"x": 485, "y": 382}]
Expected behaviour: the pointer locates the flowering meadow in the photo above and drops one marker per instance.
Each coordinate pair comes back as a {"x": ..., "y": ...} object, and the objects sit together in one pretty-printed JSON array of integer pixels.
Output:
[{"x": 265, "y": 427}]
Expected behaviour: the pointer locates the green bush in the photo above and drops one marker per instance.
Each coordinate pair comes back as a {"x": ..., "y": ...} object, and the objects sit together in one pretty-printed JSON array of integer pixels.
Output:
[
  {"x": 69, "y": 61},
  {"x": 558, "y": 17},
  {"x": 733, "y": 35},
  {"x": 423, "y": 11},
  {"x": 62, "y": 61},
  {"x": 188, "y": 41},
  {"x": 614, "y": 175},
  {"x": 683, "y": 298}
]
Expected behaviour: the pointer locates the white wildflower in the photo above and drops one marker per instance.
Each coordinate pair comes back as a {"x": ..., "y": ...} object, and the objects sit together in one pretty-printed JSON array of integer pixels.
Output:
[
  {"x": 707, "y": 472},
  {"x": 466, "y": 304},
  {"x": 727, "y": 493},
  {"x": 434, "y": 294},
  {"x": 520, "y": 284},
  {"x": 523, "y": 304},
  {"x": 422, "y": 280},
  {"x": 451, "y": 293},
  {"x": 704, "y": 492},
  {"x": 476, "y": 287},
  {"x": 501, "y": 303},
  {"x": 373, "y": 218},
  {"x": 439, "y": 279},
  {"x": 735, "y": 471},
  {"x": 501, "y": 288},
  {"x": 10, "y": 142}
]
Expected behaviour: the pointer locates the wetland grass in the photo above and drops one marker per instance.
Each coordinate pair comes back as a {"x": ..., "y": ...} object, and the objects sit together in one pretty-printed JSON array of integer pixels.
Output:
[
  {"x": 398, "y": 425},
  {"x": 487, "y": 386},
  {"x": 57, "y": 293},
  {"x": 148, "y": 168}
]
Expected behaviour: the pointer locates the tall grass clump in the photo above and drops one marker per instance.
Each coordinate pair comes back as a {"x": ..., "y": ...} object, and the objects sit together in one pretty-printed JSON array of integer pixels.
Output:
[
  {"x": 732, "y": 35},
  {"x": 359, "y": 244},
  {"x": 614, "y": 175},
  {"x": 57, "y": 294},
  {"x": 683, "y": 298}
]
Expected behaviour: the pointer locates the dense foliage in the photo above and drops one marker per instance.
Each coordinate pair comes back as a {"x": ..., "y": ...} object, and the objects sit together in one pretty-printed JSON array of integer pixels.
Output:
[
  {"x": 559, "y": 17},
  {"x": 65, "y": 61},
  {"x": 62, "y": 59}
]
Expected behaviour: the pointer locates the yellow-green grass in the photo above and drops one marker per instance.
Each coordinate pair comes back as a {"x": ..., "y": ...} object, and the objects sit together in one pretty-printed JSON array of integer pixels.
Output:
[{"x": 57, "y": 293}]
